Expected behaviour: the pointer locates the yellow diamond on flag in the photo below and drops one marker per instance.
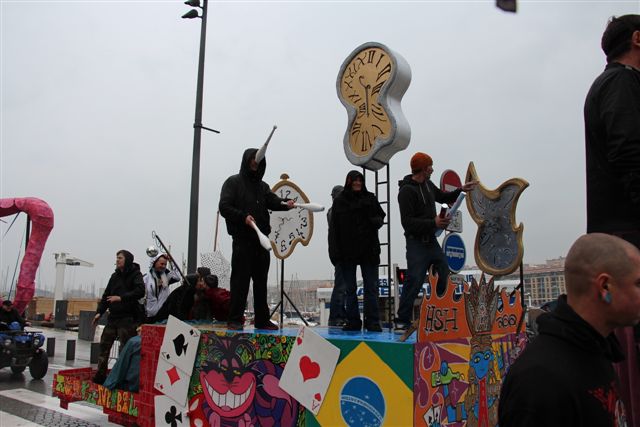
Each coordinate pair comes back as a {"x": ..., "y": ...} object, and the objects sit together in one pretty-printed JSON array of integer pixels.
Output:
[{"x": 364, "y": 391}]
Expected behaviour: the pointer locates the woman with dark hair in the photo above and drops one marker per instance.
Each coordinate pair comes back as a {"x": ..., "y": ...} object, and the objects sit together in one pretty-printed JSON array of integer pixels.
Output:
[{"x": 353, "y": 240}]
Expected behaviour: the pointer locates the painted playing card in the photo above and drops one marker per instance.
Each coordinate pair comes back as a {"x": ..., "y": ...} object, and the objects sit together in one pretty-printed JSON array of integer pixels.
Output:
[
  {"x": 309, "y": 369},
  {"x": 172, "y": 382},
  {"x": 180, "y": 344},
  {"x": 169, "y": 413}
]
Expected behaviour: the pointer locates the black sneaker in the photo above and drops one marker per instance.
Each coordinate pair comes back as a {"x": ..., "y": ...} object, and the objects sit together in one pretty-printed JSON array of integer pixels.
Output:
[
  {"x": 375, "y": 327},
  {"x": 99, "y": 378},
  {"x": 401, "y": 328},
  {"x": 269, "y": 326},
  {"x": 352, "y": 326},
  {"x": 338, "y": 323},
  {"x": 235, "y": 326}
]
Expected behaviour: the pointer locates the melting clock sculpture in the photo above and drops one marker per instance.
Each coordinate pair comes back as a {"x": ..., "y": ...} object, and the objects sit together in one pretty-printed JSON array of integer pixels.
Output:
[
  {"x": 370, "y": 85},
  {"x": 498, "y": 247}
]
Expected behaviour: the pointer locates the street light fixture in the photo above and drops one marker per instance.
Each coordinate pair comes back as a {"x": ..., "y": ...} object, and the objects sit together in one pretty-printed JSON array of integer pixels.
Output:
[{"x": 192, "y": 249}]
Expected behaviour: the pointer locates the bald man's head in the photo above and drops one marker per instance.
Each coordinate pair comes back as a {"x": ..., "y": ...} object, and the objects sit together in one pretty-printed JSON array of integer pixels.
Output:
[{"x": 593, "y": 254}]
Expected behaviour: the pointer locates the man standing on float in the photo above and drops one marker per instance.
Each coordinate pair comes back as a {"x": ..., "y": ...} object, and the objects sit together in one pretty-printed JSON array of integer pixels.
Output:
[
  {"x": 244, "y": 199},
  {"x": 417, "y": 197}
]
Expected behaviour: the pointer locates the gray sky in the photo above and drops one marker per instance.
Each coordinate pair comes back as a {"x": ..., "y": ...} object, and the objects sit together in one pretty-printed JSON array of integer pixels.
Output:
[{"x": 98, "y": 99}]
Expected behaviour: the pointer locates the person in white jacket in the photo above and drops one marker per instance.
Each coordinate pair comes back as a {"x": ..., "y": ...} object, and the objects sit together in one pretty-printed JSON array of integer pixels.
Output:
[{"x": 156, "y": 284}]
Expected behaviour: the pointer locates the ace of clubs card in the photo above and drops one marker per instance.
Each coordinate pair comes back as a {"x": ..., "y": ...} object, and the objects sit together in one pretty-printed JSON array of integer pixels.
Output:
[
  {"x": 169, "y": 413},
  {"x": 172, "y": 382},
  {"x": 180, "y": 344},
  {"x": 309, "y": 369}
]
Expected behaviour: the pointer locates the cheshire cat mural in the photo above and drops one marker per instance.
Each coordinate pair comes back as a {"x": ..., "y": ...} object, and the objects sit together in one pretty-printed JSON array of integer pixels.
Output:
[{"x": 236, "y": 382}]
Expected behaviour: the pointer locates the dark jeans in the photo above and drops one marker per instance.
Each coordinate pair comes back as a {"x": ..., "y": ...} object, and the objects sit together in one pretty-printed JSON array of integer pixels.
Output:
[
  {"x": 420, "y": 257},
  {"x": 370, "y": 299},
  {"x": 249, "y": 262},
  {"x": 337, "y": 311},
  {"x": 123, "y": 329}
]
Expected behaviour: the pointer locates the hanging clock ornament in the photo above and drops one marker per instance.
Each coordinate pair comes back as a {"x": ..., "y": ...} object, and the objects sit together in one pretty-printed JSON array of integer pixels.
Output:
[
  {"x": 291, "y": 227},
  {"x": 498, "y": 248},
  {"x": 371, "y": 83}
]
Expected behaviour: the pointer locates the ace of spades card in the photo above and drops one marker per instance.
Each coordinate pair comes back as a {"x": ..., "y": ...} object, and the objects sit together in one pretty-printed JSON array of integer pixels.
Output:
[
  {"x": 309, "y": 369},
  {"x": 172, "y": 382},
  {"x": 168, "y": 413},
  {"x": 180, "y": 344}
]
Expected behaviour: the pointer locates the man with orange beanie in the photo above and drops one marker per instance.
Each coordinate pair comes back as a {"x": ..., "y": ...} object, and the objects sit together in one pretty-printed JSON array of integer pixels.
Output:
[{"x": 417, "y": 197}]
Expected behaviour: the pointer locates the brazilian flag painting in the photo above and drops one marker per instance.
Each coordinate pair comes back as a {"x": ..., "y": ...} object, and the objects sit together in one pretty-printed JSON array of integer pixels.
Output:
[{"x": 371, "y": 386}]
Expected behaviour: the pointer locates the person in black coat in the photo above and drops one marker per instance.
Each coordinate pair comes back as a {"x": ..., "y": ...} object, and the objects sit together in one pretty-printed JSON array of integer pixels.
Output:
[
  {"x": 356, "y": 217},
  {"x": 125, "y": 288},
  {"x": 612, "y": 153},
  {"x": 565, "y": 376},
  {"x": 246, "y": 199},
  {"x": 417, "y": 197},
  {"x": 9, "y": 314}
]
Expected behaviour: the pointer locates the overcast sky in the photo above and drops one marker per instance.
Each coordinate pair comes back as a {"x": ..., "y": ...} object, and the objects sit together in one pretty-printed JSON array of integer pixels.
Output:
[{"x": 98, "y": 100}]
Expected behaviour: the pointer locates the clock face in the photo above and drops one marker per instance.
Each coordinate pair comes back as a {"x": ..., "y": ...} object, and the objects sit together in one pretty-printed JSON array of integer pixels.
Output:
[
  {"x": 292, "y": 226},
  {"x": 360, "y": 85}
]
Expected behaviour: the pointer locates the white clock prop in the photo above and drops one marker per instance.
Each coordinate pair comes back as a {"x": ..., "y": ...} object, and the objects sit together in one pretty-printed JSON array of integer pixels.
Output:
[{"x": 292, "y": 226}]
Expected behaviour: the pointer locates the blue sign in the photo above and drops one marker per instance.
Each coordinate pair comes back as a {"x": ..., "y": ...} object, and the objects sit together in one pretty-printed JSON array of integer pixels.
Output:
[{"x": 454, "y": 250}]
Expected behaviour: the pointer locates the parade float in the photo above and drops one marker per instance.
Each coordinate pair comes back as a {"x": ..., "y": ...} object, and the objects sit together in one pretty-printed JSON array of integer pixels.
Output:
[{"x": 448, "y": 373}]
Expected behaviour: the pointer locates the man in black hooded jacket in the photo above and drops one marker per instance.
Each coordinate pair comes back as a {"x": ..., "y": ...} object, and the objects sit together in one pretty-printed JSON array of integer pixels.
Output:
[
  {"x": 565, "y": 377},
  {"x": 125, "y": 288},
  {"x": 417, "y": 199},
  {"x": 244, "y": 199}
]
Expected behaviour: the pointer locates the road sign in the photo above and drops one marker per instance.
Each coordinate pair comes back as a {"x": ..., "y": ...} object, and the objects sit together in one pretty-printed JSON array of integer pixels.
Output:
[
  {"x": 449, "y": 181},
  {"x": 456, "y": 223},
  {"x": 454, "y": 250}
]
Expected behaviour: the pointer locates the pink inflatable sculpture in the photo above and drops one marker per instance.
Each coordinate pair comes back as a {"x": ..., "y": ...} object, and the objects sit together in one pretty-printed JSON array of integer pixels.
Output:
[{"x": 41, "y": 217}]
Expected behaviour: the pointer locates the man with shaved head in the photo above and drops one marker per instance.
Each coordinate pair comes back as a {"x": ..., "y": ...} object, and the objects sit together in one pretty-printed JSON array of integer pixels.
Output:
[{"x": 565, "y": 377}]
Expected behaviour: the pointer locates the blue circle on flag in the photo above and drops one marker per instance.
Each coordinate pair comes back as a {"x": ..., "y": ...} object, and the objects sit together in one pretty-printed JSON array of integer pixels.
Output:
[
  {"x": 362, "y": 403},
  {"x": 454, "y": 250}
]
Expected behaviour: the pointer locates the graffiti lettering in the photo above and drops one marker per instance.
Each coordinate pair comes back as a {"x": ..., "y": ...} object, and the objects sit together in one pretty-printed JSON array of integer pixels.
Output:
[
  {"x": 441, "y": 319},
  {"x": 506, "y": 321},
  {"x": 60, "y": 383}
]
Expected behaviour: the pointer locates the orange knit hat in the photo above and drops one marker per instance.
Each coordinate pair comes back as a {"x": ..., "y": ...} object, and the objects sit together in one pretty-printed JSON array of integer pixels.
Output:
[{"x": 420, "y": 161}]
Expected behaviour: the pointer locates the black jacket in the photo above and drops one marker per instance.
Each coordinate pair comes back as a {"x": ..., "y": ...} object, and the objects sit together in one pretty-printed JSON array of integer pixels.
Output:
[
  {"x": 9, "y": 317},
  {"x": 612, "y": 135},
  {"x": 246, "y": 194},
  {"x": 564, "y": 377},
  {"x": 128, "y": 285},
  {"x": 418, "y": 208},
  {"x": 353, "y": 230}
]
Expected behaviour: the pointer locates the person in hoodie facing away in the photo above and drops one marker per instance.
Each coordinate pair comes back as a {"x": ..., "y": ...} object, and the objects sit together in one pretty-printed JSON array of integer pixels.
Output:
[
  {"x": 565, "y": 376},
  {"x": 244, "y": 199},
  {"x": 417, "y": 197},
  {"x": 156, "y": 284},
  {"x": 125, "y": 288},
  {"x": 356, "y": 217}
]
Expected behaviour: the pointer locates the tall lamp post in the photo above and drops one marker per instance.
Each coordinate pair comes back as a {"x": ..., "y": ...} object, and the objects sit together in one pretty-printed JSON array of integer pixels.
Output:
[{"x": 192, "y": 249}]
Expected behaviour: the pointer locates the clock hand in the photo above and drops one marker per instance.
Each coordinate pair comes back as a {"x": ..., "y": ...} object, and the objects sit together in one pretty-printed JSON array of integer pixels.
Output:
[{"x": 366, "y": 93}]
